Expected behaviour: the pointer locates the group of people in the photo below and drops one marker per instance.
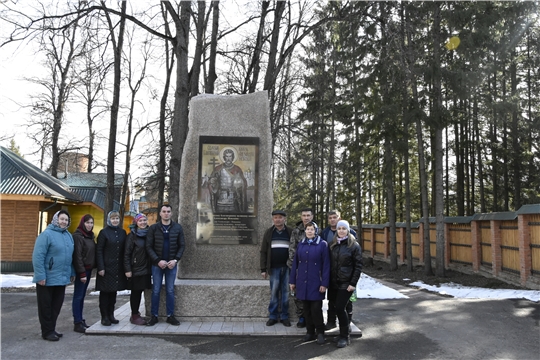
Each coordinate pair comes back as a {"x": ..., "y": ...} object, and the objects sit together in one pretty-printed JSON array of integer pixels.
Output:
[
  {"x": 312, "y": 266},
  {"x": 135, "y": 261}
]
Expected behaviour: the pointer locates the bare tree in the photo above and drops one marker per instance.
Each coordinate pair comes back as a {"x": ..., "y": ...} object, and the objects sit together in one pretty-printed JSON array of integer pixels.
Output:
[
  {"x": 92, "y": 73},
  {"x": 117, "y": 41}
]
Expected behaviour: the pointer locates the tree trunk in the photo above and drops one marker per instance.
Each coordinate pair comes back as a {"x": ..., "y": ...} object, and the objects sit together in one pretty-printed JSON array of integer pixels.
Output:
[
  {"x": 111, "y": 155},
  {"x": 179, "y": 127},
  {"x": 438, "y": 123},
  {"x": 212, "y": 76}
]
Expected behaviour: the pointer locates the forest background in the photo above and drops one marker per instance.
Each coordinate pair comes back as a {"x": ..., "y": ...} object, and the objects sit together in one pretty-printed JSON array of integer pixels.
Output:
[{"x": 388, "y": 111}]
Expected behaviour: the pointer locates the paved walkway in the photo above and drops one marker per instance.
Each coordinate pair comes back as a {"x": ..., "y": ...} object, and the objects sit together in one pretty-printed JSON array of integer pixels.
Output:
[{"x": 219, "y": 328}]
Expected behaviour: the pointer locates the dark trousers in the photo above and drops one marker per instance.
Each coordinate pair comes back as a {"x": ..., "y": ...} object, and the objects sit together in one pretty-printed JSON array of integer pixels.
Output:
[
  {"x": 135, "y": 301},
  {"x": 107, "y": 300},
  {"x": 340, "y": 299},
  {"x": 314, "y": 316},
  {"x": 331, "y": 312},
  {"x": 49, "y": 301}
]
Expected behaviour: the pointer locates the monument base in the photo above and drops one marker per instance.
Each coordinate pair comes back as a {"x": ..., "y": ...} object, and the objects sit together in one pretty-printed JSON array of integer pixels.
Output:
[{"x": 219, "y": 300}]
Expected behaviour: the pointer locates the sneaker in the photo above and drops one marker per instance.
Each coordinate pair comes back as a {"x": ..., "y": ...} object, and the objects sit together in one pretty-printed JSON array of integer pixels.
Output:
[
  {"x": 172, "y": 320},
  {"x": 286, "y": 322},
  {"x": 320, "y": 339},
  {"x": 330, "y": 325},
  {"x": 301, "y": 323},
  {"x": 271, "y": 322},
  {"x": 153, "y": 321}
]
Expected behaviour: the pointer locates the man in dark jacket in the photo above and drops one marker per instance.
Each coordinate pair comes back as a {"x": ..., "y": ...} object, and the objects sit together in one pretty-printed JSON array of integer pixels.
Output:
[
  {"x": 165, "y": 246},
  {"x": 274, "y": 256}
]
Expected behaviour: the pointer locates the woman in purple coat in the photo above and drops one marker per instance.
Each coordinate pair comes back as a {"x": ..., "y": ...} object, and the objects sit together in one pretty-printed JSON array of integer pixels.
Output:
[{"x": 310, "y": 276}]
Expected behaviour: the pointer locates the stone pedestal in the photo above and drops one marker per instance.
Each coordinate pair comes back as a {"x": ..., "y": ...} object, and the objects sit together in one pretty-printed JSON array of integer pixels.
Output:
[{"x": 219, "y": 300}]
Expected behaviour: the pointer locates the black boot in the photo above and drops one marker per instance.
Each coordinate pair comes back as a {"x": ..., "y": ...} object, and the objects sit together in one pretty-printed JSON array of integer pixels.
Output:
[
  {"x": 111, "y": 315},
  {"x": 342, "y": 342},
  {"x": 104, "y": 316},
  {"x": 79, "y": 327},
  {"x": 105, "y": 321},
  {"x": 113, "y": 319}
]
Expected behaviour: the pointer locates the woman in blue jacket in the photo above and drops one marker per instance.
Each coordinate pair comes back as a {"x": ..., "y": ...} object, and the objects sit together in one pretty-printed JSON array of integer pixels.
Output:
[
  {"x": 310, "y": 276},
  {"x": 53, "y": 270}
]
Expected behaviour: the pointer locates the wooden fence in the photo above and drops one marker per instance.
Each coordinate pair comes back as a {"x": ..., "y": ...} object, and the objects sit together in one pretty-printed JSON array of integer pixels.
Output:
[{"x": 506, "y": 245}]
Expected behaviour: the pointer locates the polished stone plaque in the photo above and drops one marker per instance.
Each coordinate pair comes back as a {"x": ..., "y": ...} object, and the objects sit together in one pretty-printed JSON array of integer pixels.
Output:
[{"x": 227, "y": 188}]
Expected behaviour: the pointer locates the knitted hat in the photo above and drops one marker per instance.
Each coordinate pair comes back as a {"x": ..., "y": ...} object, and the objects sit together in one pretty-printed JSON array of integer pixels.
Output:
[
  {"x": 138, "y": 217},
  {"x": 343, "y": 223}
]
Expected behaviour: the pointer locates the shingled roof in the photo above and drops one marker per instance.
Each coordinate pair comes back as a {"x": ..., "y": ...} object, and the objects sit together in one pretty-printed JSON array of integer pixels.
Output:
[
  {"x": 90, "y": 180},
  {"x": 20, "y": 177}
]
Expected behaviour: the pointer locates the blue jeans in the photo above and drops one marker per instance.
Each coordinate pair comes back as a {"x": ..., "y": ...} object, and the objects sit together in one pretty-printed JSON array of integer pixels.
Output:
[
  {"x": 279, "y": 289},
  {"x": 79, "y": 292},
  {"x": 157, "y": 279}
]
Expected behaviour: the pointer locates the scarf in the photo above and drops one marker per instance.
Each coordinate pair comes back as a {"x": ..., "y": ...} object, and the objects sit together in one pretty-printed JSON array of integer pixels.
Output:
[
  {"x": 339, "y": 240},
  {"x": 141, "y": 232},
  {"x": 82, "y": 228}
]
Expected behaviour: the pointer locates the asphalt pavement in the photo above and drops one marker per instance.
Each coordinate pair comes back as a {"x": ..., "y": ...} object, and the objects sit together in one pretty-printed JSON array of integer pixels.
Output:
[{"x": 425, "y": 326}]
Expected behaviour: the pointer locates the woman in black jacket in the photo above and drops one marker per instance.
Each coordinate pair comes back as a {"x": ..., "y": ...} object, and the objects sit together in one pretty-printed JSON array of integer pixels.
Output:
[
  {"x": 137, "y": 266},
  {"x": 84, "y": 260},
  {"x": 345, "y": 270},
  {"x": 110, "y": 265}
]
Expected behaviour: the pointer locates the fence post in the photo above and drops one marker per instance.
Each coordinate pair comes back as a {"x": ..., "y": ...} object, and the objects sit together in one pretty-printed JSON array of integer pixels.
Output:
[
  {"x": 476, "y": 251},
  {"x": 525, "y": 260},
  {"x": 447, "y": 239},
  {"x": 386, "y": 241},
  {"x": 402, "y": 245},
  {"x": 496, "y": 255},
  {"x": 373, "y": 243},
  {"x": 421, "y": 242}
]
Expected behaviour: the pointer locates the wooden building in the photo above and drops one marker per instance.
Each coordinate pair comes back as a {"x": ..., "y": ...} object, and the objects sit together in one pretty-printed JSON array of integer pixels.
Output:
[{"x": 29, "y": 197}]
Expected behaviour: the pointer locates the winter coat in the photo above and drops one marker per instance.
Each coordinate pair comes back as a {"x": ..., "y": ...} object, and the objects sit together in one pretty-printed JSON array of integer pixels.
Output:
[
  {"x": 110, "y": 257},
  {"x": 345, "y": 265},
  {"x": 53, "y": 256},
  {"x": 266, "y": 248},
  {"x": 154, "y": 242},
  {"x": 135, "y": 257},
  {"x": 84, "y": 254},
  {"x": 311, "y": 269}
]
